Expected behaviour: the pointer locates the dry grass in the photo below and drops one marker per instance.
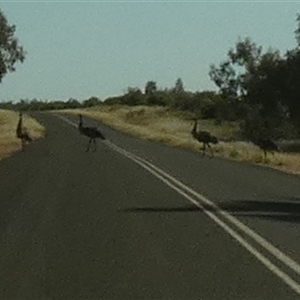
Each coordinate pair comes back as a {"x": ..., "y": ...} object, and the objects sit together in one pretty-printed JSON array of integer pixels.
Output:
[
  {"x": 163, "y": 125},
  {"x": 8, "y": 123}
]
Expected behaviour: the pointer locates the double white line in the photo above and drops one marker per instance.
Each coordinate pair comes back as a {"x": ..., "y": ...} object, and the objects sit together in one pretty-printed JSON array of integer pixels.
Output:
[{"x": 226, "y": 221}]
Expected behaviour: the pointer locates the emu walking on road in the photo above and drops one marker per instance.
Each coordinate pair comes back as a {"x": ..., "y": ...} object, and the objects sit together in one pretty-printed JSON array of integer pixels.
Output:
[
  {"x": 92, "y": 132},
  {"x": 22, "y": 133},
  {"x": 204, "y": 137}
]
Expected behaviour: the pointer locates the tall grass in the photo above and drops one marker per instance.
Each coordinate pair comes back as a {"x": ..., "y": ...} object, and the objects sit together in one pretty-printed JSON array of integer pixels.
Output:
[{"x": 8, "y": 123}]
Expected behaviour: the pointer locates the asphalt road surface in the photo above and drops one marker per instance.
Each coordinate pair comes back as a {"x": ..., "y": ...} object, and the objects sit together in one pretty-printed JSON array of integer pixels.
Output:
[{"x": 141, "y": 220}]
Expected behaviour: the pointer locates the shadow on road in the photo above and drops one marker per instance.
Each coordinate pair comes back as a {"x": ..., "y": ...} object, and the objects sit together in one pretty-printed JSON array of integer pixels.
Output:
[
  {"x": 160, "y": 209},
  {"x": 286, "y": 210}
]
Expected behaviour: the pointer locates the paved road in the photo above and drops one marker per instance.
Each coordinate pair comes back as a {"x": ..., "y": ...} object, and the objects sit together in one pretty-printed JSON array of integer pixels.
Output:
[{"x": 140, "y": 220}]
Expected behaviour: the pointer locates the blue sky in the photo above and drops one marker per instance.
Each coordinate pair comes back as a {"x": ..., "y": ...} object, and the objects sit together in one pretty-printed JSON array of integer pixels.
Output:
[{"x": 79, "y": 49}]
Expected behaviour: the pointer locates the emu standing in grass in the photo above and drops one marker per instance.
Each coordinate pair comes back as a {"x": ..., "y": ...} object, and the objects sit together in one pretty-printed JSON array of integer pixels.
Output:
[
  {"x": 92, "y": 132},
  {"x": 266, "y": 145},
  {"x": 204, "y": 137},
  {"x": 22, "y": 133}
]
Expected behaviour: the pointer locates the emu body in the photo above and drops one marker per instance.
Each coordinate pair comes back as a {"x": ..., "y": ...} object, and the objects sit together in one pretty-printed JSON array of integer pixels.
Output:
[
  {"x": 22, "y": 133},
  {"x": 266, "y": 145},
  {"x": 204, "y": 137},
  {"x": 92, "y": 132}
]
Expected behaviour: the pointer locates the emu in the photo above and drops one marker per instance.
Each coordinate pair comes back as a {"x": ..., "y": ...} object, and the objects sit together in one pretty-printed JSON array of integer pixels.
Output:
[
  {"x": 204, "y": 137},
  {"x": 266, "y": 145},
  {"x": 22, "y": 133},
  {"x": 92, "y": 132}
]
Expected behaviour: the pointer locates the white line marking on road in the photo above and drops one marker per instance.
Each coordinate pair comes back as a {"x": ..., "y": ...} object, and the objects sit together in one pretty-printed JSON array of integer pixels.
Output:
[
  {"x": 272, "y": 267},
  {"x": 183, "y": 189},
  {"x": 66, "y": 120},
  {"x": 263, "y": 242}
]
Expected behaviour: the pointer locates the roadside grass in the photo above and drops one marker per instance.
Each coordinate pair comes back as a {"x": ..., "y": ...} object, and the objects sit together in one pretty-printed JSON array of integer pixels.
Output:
[
  {"x": 173, "y": 128},
  {"x": 9, "y": 143}
]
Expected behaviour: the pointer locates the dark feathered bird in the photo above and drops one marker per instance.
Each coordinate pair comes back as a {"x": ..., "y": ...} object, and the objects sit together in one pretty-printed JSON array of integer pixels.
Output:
[
  {"x": 204, "y": 137},
  {"x": 22, "y": 133},
  {"x": 266, "y": 145},
  {"x": 92, "y": 132}
]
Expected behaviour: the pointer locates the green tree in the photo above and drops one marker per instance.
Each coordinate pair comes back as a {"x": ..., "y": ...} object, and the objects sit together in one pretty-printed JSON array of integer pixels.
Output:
[
  {"x": 10, "y": 51},
  {"x": 92, "y": 101},
  {"x": 250, "y": 81},
  {"x": 73, "y": 103},
  {"x": 297, "y": 31},
  {"x": 287, "y": 86},
  {"x": 178, "y": 89},
  {"x": 150, "y": 87},
  {"x": 233, "y": 76},
  {"x": 134, "y": 96}
]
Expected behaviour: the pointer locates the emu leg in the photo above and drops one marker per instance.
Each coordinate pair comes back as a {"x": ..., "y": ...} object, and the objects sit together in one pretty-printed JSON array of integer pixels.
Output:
[
  {"x": 203, "y": 149},
  {"x": 95, "y": 145},
  {"x": 88, "y": 147},
  {"x": 22, "y": 144},
  {"x": 211, "y": 152}
]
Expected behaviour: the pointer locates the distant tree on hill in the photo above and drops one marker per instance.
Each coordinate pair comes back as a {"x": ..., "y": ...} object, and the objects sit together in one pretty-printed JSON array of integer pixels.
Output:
[
  {"x": 150, "y": 87},
  {"x": 10, "y": 51},
  {"x": 178, "y": 86},
  {"x": 91, "y": 102},
  {"x": 73, "y": 103},
  {"x": 134, "y": 96}
]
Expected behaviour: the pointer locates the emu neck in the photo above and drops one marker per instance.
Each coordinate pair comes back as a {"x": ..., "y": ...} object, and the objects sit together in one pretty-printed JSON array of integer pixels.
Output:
[
  {"x": 19, "y": 127},
  {"x": 195, "y": 126},
  {"x": 80, "y": 126}
]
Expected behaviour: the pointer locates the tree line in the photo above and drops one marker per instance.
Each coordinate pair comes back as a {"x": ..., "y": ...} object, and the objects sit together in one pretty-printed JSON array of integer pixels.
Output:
[{"x": 41, "y": 105}]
